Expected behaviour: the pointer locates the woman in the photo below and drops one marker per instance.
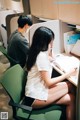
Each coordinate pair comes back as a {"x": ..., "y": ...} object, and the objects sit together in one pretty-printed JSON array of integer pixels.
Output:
[{"x": 41, "y": 89}]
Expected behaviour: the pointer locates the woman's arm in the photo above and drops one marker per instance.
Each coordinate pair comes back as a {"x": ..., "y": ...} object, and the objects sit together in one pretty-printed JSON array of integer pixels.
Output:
[{"x": 50, "y": 81}]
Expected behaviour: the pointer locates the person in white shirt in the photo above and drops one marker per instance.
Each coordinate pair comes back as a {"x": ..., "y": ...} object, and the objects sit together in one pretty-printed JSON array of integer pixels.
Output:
[{"x": 41, "y": 89}]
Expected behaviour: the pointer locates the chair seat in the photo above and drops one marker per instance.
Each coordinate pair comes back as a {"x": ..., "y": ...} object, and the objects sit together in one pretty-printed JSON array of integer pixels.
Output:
[{"x": 53, "y": 112}]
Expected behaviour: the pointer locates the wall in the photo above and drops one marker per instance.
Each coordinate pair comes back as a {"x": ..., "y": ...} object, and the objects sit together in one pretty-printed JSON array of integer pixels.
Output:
[
  {"x": 65, "y": 10},
  {"x": 11, "y": 5},
  {"x": 44, "y": 8},
  {"x": 70, "y": 12}
]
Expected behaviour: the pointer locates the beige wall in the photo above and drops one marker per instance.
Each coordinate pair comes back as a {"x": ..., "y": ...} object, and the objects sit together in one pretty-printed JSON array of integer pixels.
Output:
[
  {"x": 18, "y": 6},
  {"x": 54, "y": 9},
  {"x": 70, "y": 12},
  {"x": 12, "y": 5},
  {"x": 44, "y": 8},
  {"x": 36, "y": 7},
  {"x": 49, "y": 9}
]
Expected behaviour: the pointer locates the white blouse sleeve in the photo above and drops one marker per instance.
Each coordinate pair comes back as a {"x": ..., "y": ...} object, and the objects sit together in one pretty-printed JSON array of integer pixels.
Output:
[{"x": 42, "y": 62}]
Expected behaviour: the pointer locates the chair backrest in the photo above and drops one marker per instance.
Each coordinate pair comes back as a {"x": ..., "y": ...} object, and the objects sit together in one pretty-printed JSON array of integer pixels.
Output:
[
  {"x": 13, "y": 81},
  {"x": 11, "y": 60}
]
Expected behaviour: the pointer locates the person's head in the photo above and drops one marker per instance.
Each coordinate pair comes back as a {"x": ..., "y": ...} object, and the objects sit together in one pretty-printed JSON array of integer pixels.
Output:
[
  {"x": 41, "y": 41},
  {"x": 24, "y": 21}
]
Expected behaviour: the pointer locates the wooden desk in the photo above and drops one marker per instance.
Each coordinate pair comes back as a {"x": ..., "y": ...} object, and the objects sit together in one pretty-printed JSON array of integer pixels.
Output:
[{"x": 72, "y": 79}]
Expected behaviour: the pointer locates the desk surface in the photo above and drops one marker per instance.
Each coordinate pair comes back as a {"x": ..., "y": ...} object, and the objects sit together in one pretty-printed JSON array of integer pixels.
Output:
[{"x": 72, "y": 79}]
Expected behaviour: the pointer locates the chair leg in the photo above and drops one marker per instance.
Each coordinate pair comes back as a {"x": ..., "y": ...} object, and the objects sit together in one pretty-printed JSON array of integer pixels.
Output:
[
  {"x": 14, "y": 113},
  {"x": 63, "y": 116}
]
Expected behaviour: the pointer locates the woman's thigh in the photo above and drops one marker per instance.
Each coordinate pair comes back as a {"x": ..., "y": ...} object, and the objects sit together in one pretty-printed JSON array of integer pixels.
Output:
[
  {"x": 58, "y": 91},
  {"x": 55, "y": 93}
]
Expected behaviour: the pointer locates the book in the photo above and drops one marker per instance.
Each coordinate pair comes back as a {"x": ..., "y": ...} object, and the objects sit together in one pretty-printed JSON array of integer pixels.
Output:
[
  {"x": 78, "y": 27},
  {"x": 76, "y": 49},
  {"x": 66, "y": 63},
  {"x": 67, "y": 48},
  {"x": 70, "y": 39}
]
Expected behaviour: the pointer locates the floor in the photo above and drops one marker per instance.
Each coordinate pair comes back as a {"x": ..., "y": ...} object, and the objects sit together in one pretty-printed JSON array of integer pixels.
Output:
[{"x": 4, "y": 99}]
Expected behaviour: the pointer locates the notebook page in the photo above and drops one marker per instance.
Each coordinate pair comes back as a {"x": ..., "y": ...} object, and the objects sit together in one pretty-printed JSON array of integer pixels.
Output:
[{"x": 66, "y": 63}]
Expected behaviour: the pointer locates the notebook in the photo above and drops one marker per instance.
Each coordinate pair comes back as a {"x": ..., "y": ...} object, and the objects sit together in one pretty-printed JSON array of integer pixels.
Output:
[{"x": 66, "y": 63}]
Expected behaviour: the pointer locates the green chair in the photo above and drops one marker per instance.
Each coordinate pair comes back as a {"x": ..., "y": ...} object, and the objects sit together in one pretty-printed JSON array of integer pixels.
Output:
[
  {"x": 13, "y": 81},
  {"x": 11, "y": 60}
]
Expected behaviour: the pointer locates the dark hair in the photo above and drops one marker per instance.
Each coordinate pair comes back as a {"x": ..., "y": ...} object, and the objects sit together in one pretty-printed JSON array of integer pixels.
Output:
[
  {"x": 41, "y": 39},
  {"x": 23, "y": 20}
]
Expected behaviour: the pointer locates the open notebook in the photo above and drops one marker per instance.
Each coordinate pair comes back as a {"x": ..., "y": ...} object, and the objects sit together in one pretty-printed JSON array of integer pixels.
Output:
[{"x": 65, "y": 63}]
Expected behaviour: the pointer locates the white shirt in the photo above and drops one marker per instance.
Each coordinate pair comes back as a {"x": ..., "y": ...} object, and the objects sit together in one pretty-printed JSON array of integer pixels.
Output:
[{"x": 35, "y": 86}]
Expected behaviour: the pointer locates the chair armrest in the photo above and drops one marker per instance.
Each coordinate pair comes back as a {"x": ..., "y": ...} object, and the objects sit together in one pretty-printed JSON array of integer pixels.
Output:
[{"x": 25, "y": 107}]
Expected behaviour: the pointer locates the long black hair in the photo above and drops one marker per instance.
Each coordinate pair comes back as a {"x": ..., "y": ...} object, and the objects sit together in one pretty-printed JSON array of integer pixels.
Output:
[{"x": 40, "y": 41}]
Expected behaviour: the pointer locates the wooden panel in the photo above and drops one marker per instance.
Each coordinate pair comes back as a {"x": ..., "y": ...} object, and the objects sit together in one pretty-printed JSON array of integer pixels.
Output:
[
  {"x": 78, "y": 14},
  {"x": 65, "y": 10},
  {"x": 7, "y": 4},
  {"x": 14, "y": 5},
  {"x": 36, "y": 7},
  {"x": 70, "y": 12},
  {"x": 44, "y": 8},
  {"x": 50, "y": 9}
]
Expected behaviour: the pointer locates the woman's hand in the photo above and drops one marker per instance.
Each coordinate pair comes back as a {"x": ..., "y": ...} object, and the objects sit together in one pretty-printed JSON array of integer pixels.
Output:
[
  {"x": 73, "y": 71},
  {"x": 50, "y": 59}
]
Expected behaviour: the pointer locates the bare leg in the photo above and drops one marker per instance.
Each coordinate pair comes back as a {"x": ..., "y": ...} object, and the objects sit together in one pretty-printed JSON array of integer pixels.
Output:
[
  {"x": 59, "y": 94},
  {"x": 69, "y": 101}
]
